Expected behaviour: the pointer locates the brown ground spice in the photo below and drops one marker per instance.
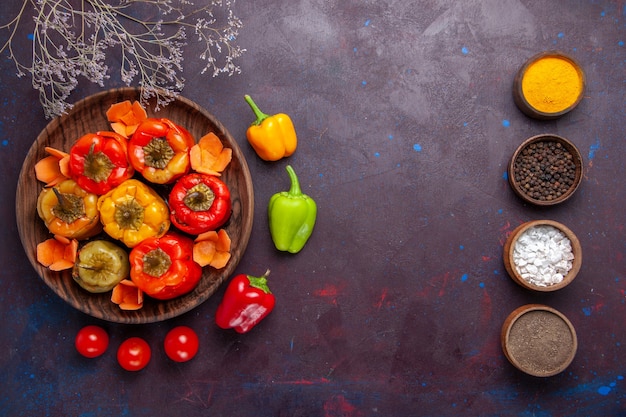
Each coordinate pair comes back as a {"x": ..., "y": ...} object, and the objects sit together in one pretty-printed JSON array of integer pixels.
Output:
[{"x": 540, "y": 341}]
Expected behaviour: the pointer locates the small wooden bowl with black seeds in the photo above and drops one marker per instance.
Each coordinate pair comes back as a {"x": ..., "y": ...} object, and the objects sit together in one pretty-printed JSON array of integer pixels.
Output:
[{"x": 545, "y": 170}]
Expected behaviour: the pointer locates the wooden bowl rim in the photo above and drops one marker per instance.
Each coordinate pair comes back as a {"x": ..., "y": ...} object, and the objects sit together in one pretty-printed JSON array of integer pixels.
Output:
[
  {"x": 578, "y": 161},
  {"x": 525, "y": 309},
  {"x": 521, "y": 101},
  {"x": 509, "y": 264},
  {"x": 158, "y": 310}
]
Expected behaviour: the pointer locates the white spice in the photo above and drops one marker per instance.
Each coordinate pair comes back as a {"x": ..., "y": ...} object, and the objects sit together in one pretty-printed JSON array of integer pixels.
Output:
[{"x": 543, "y": 255}]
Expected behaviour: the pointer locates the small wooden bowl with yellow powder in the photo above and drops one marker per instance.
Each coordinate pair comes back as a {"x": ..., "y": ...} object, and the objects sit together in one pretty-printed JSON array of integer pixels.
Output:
[{"x": 548, "y": 85}]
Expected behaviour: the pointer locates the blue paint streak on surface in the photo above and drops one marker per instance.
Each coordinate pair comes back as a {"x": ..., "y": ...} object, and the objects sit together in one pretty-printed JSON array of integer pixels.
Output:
[
  {"x": 594, "y": 148},
  {"x": 367, "y": 22},
  {"x": 505, "y": 176},
  {"x": 417, "y": 147},
  {"x": 464, "y": 50},
  {"x": 506, "y": 123},
  {"x": 464, "y": 277},
  {"x": 587, "y": 311}
]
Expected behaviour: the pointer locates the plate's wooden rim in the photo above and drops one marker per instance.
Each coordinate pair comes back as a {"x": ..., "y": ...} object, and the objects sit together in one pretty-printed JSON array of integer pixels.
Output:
[{"x": 162, "y": 310}]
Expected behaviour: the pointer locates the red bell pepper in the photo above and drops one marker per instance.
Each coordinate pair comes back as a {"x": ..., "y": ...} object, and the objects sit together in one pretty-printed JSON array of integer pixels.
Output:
[
  {"x": 159, "y": 150},
  {"x": 99, "y": 162},
  {"x": 246, "y": 302},
  {"x": 199, "y": 203},
  {"x": 163, "y": 267}
]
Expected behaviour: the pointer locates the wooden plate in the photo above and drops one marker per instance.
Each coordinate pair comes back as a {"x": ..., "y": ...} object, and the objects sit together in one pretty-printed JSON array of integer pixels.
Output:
[{"x": 87, "y": 116}]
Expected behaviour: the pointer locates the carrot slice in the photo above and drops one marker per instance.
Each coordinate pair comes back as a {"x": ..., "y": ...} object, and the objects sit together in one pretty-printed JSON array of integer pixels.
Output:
[
  {"x": 210, "y": 235},
  {"x": 64, "y": 166},
  {"x": 212, "y": 248},
  {"x": 125, "y": 117},
  {"x": 209, "y": 156},
  {"x": 47, "y": 170},
  {"x": 53, "y": 168},
  {"x": 62, "y": 239},
  {"x": 57, "y": 253},
  {"x": 223, "y": 241},
  {"x": 130, "y": 129},
  {"x": 56, "y": 152},
  {"x": 220, "y": 260},
  {"x": 127, "y": 295},
  {"x": 204, "y": 252},
  {"x": 119, "y": 128},
  {"x": 118, "y": 110},
  {"x": 139, "y": 112}
]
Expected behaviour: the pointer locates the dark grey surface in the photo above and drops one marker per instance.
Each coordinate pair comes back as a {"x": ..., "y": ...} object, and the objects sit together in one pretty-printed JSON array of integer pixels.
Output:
[{"x": 406, "y": 122}]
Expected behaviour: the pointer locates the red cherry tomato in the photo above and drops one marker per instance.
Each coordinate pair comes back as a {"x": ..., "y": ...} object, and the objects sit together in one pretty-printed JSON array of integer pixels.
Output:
[
  {"x": 134, "y": 354},
  {"x": 91, "y": 341},
  {"x": 181, "y": 344}
]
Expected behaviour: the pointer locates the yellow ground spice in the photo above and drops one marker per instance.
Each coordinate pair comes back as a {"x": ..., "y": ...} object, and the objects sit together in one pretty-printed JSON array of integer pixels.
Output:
[{"x": 552, "y": 84}]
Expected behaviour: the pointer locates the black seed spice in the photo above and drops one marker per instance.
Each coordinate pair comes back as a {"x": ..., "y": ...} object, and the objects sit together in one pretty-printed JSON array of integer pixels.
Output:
[{"x": 545, "y": 170}]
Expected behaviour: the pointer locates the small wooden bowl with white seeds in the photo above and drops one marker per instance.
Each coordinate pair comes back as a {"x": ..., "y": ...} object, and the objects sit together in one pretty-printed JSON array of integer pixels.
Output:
[{"x": 542, "y": 255}]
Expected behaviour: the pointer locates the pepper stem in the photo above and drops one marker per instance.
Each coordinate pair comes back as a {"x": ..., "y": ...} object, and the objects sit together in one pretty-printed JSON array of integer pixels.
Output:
[
  {"x": 260, "y": 282},
  {"x": 295, "y": 190},
  {"x": 260, "y": 116}
]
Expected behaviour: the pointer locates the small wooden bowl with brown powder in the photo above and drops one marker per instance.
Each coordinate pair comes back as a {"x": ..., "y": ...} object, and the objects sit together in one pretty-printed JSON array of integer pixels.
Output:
[
  {"x": 545, "y": 169},
  {"x": 549, "y": 85},
  {"x": 539, "y": 340}
]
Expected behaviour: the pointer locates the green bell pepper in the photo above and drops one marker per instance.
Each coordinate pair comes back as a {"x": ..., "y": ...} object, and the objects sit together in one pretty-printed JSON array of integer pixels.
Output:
[{"x": 292, "y": 216}]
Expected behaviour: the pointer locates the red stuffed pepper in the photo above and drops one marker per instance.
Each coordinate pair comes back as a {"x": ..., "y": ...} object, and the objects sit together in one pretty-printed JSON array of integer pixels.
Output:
[
  {"x": 159, "y": 150},
  {"x": 246, "y": 302},
  {"x": 199, "y": 203},
  {"x": 163, "y": 267},
  {"x": 99, "y": 162}
]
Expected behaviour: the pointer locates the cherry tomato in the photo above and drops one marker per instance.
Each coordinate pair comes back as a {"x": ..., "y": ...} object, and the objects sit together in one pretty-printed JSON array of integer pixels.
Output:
[
  {"x": 134, "y": 354},
  {"x": 91, "y": 341},
  {"x": 181, "y": 344}
]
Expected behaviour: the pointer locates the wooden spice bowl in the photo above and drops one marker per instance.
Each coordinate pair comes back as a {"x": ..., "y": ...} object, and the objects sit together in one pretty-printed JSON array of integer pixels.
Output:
[
  {"x": 509, "y": 262},
  {"x": 538, "y": 340},
  {"x": 568, "y": 155},
  {"x": 545, "y": 98}
]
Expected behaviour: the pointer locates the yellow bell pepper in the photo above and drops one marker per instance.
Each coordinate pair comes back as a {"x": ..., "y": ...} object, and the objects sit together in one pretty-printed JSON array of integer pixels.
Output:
[
  {"x": 68, "y": 210},
  {"x": 132, "y": 212},
  {"x": 271, "y": 137}
]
